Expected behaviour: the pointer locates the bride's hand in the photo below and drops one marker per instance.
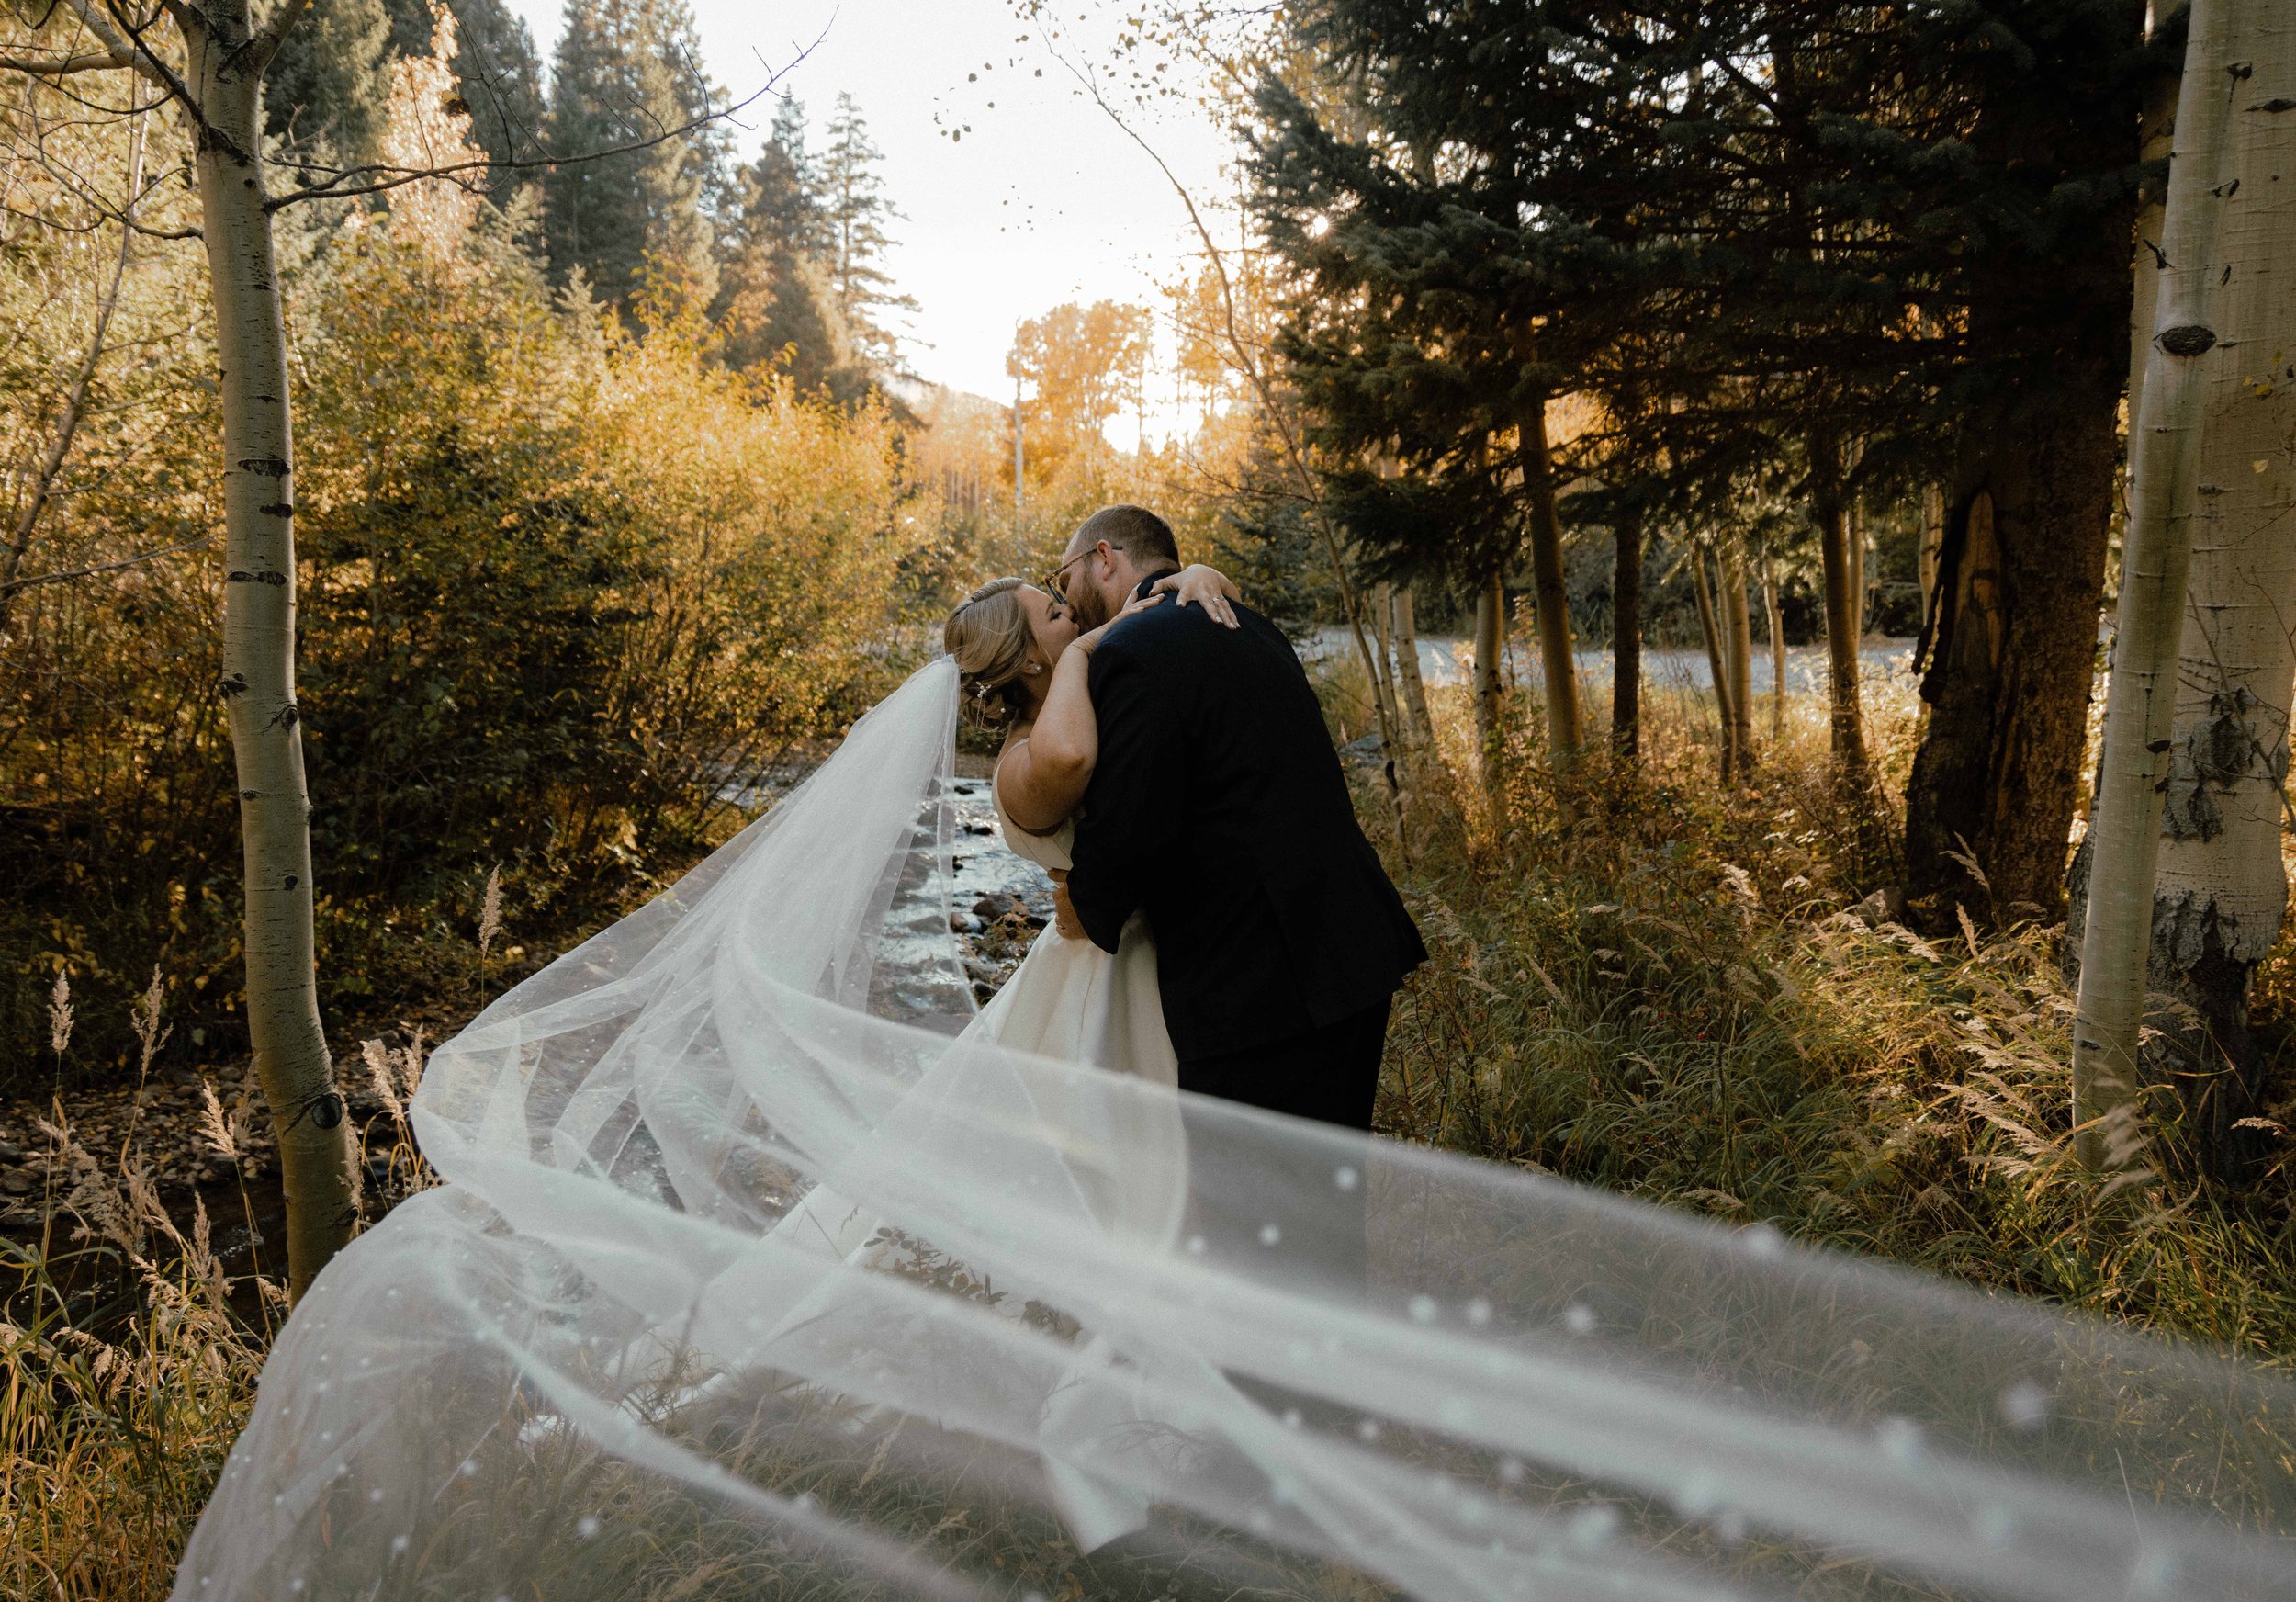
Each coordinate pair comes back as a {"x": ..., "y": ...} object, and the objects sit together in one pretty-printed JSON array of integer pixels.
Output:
[
  {"x": 1090, "y": 642},
  {"x": 1209, "y": 588}
]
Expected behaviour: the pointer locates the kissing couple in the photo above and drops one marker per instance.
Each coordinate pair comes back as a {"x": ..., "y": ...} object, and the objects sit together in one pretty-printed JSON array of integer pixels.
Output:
[{"x": 1222, "y": 925}]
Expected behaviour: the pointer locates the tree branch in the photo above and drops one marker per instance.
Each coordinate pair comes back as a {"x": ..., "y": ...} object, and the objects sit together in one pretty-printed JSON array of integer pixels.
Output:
[
  {"x": 123, "y": 52},
  {"x": 265, "y": 44},
  {"x": 13, "y": 585},
  {"x": 57, "y": 67},
  {"x": 385, "y": 179}
]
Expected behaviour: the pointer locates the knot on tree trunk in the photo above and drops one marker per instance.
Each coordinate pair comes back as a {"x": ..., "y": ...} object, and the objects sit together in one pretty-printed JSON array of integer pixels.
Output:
[{"x": 2187, "y": 339}]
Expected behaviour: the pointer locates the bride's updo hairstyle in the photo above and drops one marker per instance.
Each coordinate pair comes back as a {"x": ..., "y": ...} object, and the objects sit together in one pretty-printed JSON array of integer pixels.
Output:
[{"x": 989, "y": 635}]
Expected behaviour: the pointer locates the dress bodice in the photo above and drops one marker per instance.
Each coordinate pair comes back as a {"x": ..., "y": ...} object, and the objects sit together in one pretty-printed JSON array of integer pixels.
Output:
[{"x": 1047, "y": 851}]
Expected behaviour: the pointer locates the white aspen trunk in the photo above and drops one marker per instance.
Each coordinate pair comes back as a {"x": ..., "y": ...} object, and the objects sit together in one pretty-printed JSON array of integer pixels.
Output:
[
  {"x": 1857, "y": 569},
  {"x": 1739, "y": 635},
  {"x": 1717, "y": 663},
  {"x": 1407, "y": 665},
  {"x": 1777, "y": 649},
  {"x": 2140, "y": 701},
  {"x": 2157, "y": 124},
  {"x": 2221, "y": 891},
  {"x": 1383, "y": 681},
  {"x": 1932, "y": 544},
  {"x": 258, "y": 666},
  {"x": 1550, "y": 597}
]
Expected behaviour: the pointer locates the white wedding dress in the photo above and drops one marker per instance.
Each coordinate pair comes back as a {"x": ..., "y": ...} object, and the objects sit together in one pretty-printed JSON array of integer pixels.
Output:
[
  {"x": 1069, "y": 1001},
  {"x": 742, "y": 1283}
]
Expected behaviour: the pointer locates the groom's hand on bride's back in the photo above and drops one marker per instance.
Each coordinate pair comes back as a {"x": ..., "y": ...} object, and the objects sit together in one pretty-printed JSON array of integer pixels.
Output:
[{"x": 1064, "y": 917}]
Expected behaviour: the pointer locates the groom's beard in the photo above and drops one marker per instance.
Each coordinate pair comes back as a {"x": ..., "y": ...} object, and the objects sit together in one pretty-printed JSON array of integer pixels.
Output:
[{"x": 1091, "y": 608}]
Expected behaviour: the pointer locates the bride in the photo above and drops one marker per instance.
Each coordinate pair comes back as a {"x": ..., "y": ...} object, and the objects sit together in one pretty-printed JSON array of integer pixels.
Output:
[
  {"x": 739, "y": 1288},
  {"x": 1022, "y": 666}
]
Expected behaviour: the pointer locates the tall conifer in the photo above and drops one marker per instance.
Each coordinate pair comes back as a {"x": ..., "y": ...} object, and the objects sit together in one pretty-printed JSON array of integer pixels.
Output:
[
  {"x": 775, "y": 296},
  {"x": 856, "y": 213},
  {"x": 626, "y": 72}
]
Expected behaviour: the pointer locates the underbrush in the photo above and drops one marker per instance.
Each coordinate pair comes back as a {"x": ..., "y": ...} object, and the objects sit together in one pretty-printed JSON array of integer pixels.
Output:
[
  {"x": 1643, "y": 981},
  {"x": 1640, "y": 980},
  {"x": 128, "y": 1354}
]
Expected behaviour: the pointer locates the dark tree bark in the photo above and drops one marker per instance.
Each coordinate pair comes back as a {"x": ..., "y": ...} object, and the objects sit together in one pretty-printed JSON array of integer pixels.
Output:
[
  {"x": 1626, "y": 640},
  {"x": 1830, "y": 510},
  {"x": 2011, "y": 652},
  {"x": 2011, "y": 645}
]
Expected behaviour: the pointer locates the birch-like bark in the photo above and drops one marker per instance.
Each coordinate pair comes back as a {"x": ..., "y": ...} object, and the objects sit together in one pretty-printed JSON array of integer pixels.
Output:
[
  {"x": 1383, "y": 685},
  {"x": 2158, "y": 127},
  {"x": 1932, "y": 542},
  {"x": 1777, "y": 617},
  {"x": 257, "y": 683},
  {"x": 1407, "y": 665},
  {"x": 2221, "y": 893},
  {"x": 1717, "y": 663},
  {"x": 1550, "y": 598},
  {"x": 1739, "y": 636},
  {"x": 1857, "y": 567},
  {"x": 1626, "y": 636},
  {"x": 2141, "y": 696}
]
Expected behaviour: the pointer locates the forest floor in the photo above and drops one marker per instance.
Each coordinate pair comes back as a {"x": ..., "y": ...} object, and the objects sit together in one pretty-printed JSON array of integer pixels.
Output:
[{"x": 1661, "y": 987}]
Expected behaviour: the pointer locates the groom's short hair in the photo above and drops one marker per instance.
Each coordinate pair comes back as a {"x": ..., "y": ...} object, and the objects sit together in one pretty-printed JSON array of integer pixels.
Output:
[{"x": 1138, "y": 532}]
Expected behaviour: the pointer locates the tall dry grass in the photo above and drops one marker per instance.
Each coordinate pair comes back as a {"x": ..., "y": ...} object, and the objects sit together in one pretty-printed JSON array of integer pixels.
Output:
[
  {"x": 129, "y": 1355},
  {"x": 1650, "y": 984},
  {"x": 1643, "y": 981}
]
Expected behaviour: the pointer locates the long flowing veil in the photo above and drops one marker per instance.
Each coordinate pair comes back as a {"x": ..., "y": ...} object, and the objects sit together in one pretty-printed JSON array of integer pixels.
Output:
[{"x": 632, "y": 1348}]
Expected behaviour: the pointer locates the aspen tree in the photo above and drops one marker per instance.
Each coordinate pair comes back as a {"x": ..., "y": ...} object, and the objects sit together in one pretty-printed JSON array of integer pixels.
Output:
[
  {"x": 1717, "y": 663},
  {"x": 217, "y": 81},
  {"x": 2139, "y": 705},
  {"x": 2221, "y": 893},
  {"x": 1489, "y": 629},
  {"x": 1407, "y": 663},
  {"x": 1738, "y": 636},
  {"x": 209, "y": 62}
]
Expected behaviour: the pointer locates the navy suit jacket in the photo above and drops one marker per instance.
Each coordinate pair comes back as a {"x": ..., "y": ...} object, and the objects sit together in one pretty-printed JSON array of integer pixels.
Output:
[{"x": 1218, "y": 806}]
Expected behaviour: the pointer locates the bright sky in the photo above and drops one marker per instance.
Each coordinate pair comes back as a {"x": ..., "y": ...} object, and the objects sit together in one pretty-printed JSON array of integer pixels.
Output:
[{"x": 1042, "y": 200}]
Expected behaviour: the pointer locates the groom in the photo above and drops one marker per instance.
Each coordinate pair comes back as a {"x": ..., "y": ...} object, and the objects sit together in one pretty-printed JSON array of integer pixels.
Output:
[{"x": 1219, "y": 808}]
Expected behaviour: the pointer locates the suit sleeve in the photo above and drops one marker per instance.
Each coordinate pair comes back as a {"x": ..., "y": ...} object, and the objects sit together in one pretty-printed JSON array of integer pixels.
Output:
[{"x": 1133, "y": 809}]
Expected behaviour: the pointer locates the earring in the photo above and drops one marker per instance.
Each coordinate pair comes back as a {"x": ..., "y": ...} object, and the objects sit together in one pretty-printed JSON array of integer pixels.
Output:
[{"x": 1030, "y": 668}]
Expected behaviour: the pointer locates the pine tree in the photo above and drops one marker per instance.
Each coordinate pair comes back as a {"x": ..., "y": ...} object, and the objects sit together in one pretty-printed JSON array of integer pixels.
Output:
[
  {"x": 1819, "y": 238},
  {"x": 626, "y": 72},
  {"x": 497, "y": 72},
  {"x": 775, "y": 298},
  {"x": 858, "y": 211},
  {"x": 327, "y": 87}
]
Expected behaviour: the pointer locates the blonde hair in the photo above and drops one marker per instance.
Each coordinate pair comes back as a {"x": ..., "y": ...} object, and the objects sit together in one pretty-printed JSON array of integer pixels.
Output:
[{"x": 990, "y": 636}]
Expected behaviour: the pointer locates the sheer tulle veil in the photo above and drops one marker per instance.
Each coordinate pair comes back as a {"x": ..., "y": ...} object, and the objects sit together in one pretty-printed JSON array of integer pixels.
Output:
[{"x": 757, "y": 1274}]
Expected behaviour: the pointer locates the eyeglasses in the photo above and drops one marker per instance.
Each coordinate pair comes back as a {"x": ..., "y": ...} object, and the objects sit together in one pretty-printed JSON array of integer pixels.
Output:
[{"x": 1056, "y": 582}]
